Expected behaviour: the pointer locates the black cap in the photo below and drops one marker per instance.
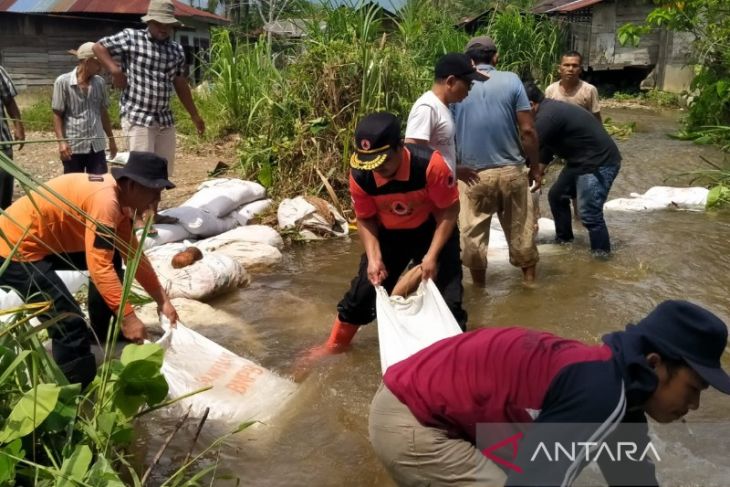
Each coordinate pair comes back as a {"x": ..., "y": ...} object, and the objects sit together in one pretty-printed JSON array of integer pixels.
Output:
[
  {"x": 375, "y": 135},
  {"x": 459, "y": 65},
  {"x": 145, "y": 168},
  {"x": 692, "y": 333}
]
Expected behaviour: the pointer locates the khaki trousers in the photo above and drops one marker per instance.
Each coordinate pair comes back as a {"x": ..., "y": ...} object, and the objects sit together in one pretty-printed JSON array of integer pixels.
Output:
[
  {"x": 156, "y": 139},
  {"x": 504, "y": 191},
  {"x": 416, "y": 455}
]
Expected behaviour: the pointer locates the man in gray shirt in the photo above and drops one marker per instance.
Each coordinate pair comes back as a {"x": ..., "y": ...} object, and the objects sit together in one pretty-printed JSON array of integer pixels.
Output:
[
  {"x": 493, "y": 127},
  {"x": 80, "y": 115},
  {"x": 8, "y": 105}
]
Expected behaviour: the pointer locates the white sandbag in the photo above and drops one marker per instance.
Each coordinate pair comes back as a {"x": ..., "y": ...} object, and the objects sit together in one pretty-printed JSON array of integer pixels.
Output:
[
  {"x": 299, "y": 214},
  {"x": 220, "y": 197},
  {"x": 408, "y": 325},
  {"x": 694, "y": 198},
  {"x": 74, "y": 281},
  {"x": 166, "y": 233},
  {"x": 250, "y": 233},
  {"x": 248, "y": 211},
  {"x": 662, "y": 198},
  {"x": 633, "y": 205},
  {"x": 199, "y": 222},
  {"x": 121, "y": 158},
  {"x": 253, "y": 256},
  {"x": 214, "y": 274},
  {"x": 545, "y": 230},
  {"x": 241, "y": 389}
]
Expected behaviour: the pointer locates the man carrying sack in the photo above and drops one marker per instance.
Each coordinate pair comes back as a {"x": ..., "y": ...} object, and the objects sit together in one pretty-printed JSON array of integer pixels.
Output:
[{"x": 81, "y": 221}]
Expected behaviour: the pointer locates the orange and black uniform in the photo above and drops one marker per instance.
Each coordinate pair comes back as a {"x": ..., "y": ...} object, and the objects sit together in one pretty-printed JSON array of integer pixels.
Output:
[
  {"x": 404, "y": 206},
  {"x": 49, "y": 233}
]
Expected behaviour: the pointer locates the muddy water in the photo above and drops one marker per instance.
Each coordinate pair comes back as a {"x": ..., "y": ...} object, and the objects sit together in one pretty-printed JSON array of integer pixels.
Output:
[{"x": 321, "y": 438}]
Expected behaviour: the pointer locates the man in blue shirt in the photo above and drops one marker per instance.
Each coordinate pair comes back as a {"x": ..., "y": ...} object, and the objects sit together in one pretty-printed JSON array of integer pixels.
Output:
[{"x": 491, "y": 165}]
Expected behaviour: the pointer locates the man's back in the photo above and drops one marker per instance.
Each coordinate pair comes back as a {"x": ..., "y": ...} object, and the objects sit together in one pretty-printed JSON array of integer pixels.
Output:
[
  {"x": 486, "y": 121},
  {"x": 574, "y": 134}
]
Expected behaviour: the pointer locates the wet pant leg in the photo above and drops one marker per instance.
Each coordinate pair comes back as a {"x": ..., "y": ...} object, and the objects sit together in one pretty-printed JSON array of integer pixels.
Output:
[
  {"x": 559, "y": 199},
  {"x": 6, "y": 183},
  {"x": 37, "y": 282},
  {"x": 593, "y": 191}
]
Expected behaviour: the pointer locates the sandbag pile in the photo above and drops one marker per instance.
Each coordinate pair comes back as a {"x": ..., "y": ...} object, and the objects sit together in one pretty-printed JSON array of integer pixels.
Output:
[
  {"x": 312, "y": 218},
  {"x": 662, "y": 198}
]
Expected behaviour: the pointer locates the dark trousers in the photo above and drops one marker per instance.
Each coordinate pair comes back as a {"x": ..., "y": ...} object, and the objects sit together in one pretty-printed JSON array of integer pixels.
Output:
[
  {"x": 398, "y": 248},
  {"x": 6, "y": 184},
  {"x": 36, "y": 282},
  {"x": 592, "y": 191},
  {"x": 92, "y": 163}
]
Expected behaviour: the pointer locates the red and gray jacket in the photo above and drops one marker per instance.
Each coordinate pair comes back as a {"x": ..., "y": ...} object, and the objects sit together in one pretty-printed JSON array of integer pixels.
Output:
[{"x": 522, "y": 376}]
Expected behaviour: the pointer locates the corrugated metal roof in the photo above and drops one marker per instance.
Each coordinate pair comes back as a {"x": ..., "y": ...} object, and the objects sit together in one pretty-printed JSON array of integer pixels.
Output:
[
  {"x": 562, "y": 6},
  {"x": 125, "y": 7}
]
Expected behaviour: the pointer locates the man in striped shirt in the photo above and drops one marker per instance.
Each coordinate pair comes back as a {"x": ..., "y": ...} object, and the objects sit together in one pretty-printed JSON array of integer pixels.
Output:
[
  {"x": 7, "y": 97},
  {"x": 80, "y": 116}
]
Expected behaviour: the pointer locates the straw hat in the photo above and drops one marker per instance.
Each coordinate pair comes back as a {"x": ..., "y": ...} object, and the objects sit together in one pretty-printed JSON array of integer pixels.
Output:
[
  {"x": 162, "y": 11},
  {"x": 85, "y": 51}
]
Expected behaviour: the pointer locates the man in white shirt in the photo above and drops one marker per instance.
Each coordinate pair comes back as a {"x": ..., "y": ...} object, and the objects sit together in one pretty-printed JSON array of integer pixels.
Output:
[{"x": 430, "y": 121}]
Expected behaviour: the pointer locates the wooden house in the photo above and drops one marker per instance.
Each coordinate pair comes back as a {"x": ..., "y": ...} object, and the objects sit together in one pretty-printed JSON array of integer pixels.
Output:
[
  {"x": 661, "y": 59},
  {"x": 35, "y": 35}
]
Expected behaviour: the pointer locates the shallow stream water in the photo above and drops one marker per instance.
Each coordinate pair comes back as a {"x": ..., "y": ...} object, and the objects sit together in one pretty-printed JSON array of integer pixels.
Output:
[{"x": 321, "y": 437}]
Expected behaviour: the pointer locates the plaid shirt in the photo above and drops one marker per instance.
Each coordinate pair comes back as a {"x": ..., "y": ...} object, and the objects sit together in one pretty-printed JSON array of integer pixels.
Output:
[
  {"x": 150, "y": 66},
  {"x": 7, "y": 92}
]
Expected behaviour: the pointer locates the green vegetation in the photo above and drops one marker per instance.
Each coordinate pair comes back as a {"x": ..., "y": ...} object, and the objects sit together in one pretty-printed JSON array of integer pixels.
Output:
[
  {"x": 652, "y": 98},
  {"x": 296, "y": 108},
  {"x": 709, "y": 102}
]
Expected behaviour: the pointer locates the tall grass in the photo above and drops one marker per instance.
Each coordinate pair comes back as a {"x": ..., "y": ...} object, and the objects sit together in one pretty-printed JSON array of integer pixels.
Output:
[{"x": 296, "y": 111}]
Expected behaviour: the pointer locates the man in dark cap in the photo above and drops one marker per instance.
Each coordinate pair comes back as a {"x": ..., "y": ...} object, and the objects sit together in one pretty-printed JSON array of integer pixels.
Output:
[
  {"x": 406, "y": 202},
  {"x": 484, "y": 407},
  {"x": 82, "y": 221},
  {"x": 430, "y": 122}
]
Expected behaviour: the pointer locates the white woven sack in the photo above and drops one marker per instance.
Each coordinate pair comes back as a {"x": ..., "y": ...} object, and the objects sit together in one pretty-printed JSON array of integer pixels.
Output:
[
  {"x": 634, "y": 205},
  {"x": 166, "y": 233},
  {"x": 214, "y": 274},
  {"x": 248, "y": 211},
  {"x": 250, "y": 233},
  {"x": 220, "y": 197},
  {"x": 297, "y": 213},
  {"x": 200, "y": 222},
  {"x": 408, "y": 325},
  {"x": 241, "y": 389},
  {"x": 694, "y": 198}
]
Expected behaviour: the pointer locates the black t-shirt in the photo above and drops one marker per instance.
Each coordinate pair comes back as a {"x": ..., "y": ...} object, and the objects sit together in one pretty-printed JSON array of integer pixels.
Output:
[{"x": 574, "y": 134}]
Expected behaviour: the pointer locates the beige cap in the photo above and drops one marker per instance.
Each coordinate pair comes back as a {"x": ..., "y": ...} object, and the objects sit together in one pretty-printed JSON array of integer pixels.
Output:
[
  {"x": 162, "y": 11},
  {"x": 85, "y": 51},
  {"x": 484, "y": 43}
]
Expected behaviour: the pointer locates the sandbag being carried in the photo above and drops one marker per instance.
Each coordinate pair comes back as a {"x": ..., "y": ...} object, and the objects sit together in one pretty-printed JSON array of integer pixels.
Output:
[
  {"x": 312, "y": 217},
  {"x": 241, "y": 389},
  {"x": 219, "y": 197},
  {"x": 248, "y": 211},
  {"x": 200, "y": 222},
  {"x": 408, "y": 325}
]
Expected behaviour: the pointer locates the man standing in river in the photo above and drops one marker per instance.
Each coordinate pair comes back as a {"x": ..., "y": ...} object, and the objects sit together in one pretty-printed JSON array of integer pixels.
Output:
[{"x": 406, "y": 201}]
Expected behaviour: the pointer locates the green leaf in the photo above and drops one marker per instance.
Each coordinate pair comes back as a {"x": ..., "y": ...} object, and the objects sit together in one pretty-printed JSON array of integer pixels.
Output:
[
  {"x": 65, "y": 411},
  {"x": 9, "y": 368},
  {"x": 102, "y": 474},
  {"x": 30, "y": 411},
  {"x": 7, "y": 464},
  {"x": 74, "y": 468},
  {"x": 266, "y": 175},
  {"x": 150, "y": 352},
  {"x": 718, "y": 196}
]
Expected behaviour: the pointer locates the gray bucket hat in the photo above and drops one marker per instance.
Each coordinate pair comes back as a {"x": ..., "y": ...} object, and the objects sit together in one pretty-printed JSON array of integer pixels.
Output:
[{"x": 162, "y": 11}]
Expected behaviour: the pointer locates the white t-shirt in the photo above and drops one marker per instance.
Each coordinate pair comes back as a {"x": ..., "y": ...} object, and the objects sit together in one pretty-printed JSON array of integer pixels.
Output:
[{"x": 431, "y": 120}]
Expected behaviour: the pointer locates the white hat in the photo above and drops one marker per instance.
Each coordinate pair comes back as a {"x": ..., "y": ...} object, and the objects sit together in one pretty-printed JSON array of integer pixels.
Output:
[
  {"x": 85, "y": 51},
  {"x": 162, "y": 11}
]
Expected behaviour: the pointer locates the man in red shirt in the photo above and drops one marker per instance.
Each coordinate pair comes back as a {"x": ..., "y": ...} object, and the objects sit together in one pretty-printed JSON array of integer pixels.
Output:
[
  {"x": 407, "y": 202},
  {"x": 508, "y": 392}
]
